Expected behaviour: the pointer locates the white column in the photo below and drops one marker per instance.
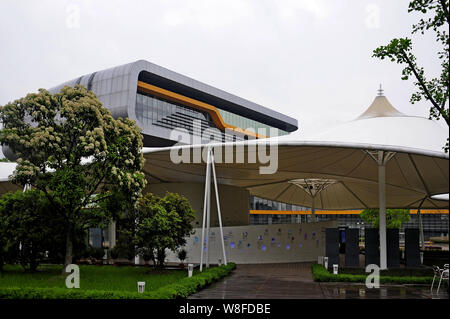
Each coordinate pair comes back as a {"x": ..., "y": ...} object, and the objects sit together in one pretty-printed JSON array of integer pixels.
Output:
[
  {"x": 207, "y": 179},
  {"x": 208, "y": 214},
  {"x": 382, "y": 158},
  {"x": 218, "y": 208},
  {"x": 382, "y": 204}
]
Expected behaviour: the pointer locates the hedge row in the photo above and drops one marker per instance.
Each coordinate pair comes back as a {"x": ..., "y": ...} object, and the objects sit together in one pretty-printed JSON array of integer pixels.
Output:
[
  {"x": 321, "y": 274},
  {"x": 182, "y": 289},
  {"x": 190, "y": 285}
]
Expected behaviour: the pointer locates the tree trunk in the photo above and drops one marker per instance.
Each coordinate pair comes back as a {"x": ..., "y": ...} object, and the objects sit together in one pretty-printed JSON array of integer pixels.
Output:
[
  {"x": 161, "y": 257},
  {"x": 69, "y": 248},
  {"x": 34, "y": 260},
  {"x": 33, "y": 265}
]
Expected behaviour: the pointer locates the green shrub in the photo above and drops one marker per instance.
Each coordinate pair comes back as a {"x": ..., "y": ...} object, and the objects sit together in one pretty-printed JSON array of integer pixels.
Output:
[
  {"x": 147, "y": 255},
  {"x": 182, "y": 255},
  {"x": 182, "y": 289},
  {"x": 320, "y": 274},
  {"x": 97, "y": 253},
  {"x": 114, "y": 253}
]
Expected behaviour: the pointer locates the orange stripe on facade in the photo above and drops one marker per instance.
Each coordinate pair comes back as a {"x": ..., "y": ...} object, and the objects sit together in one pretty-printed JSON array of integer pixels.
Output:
[
  {"x": 184, "y": 100},
  {"x": 429, "y": 211},
  {"x": 336, "y": 212}
]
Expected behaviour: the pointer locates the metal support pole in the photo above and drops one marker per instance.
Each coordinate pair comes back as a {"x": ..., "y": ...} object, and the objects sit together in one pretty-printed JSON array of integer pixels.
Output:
[
  {"x": 218, "y": 208},
  {"x": 382, "y": 204},
  {"x": 419, "y": 216},
  {"x": 313, "y": 208},
  {"x": 202, "y": 245},
  {"x": 208, "y": 211},
  {"x": 382, "y": 158}
]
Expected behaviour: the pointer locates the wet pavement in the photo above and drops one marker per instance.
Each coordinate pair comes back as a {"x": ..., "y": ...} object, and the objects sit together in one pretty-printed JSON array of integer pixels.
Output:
[{"x": 294, "y": 281}]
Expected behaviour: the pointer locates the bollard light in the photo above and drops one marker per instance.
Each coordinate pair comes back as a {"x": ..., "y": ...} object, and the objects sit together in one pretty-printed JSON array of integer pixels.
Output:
[
  {"x": 335, "y": 269},
  {"x": 141, "y": 286},
  {"x": 325, "y": 262},
  {"x": 190, "y": 270}
]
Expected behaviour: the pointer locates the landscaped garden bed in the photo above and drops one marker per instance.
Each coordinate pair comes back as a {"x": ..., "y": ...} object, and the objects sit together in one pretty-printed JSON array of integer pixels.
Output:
[
  {"x": 393, "y": 276},
  {"x": 106, "y": 282}
]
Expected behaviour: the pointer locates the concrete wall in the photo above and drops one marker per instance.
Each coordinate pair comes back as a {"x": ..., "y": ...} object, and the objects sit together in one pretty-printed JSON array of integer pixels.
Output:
[
  {"x": 234, "y": 201},
  {"x": 261, "y": 243}
]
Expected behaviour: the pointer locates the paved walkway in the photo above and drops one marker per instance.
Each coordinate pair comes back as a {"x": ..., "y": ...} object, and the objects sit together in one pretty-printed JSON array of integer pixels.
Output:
[{"x": 294, "y": 281}]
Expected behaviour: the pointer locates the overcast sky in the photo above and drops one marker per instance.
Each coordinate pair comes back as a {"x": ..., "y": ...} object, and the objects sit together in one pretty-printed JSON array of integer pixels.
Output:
[{"x": 309, "y": 59}]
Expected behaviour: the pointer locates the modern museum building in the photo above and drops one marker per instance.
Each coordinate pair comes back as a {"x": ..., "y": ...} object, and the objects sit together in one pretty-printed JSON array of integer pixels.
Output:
[{"x": 164, "y": 104}]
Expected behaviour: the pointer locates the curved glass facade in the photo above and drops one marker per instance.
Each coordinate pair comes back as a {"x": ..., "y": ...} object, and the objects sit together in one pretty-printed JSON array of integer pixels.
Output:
[
  {"x": 246, "y": 123},
  {"x": 152, "y": 110},
  {"x": 257, "y": 203}
]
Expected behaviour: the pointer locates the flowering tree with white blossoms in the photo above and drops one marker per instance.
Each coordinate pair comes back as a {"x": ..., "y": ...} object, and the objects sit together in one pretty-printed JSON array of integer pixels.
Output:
[{"x": 70, "y": 147}]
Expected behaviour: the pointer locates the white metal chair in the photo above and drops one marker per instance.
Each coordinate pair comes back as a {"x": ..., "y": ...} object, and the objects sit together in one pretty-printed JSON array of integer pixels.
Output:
[
  {"x": 437, "y": 273},
  {"x": 444, "y": 276}
]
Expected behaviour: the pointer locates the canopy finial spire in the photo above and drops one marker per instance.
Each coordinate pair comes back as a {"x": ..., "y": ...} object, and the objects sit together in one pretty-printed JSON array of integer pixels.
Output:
[{"x": 380, "y": 91}]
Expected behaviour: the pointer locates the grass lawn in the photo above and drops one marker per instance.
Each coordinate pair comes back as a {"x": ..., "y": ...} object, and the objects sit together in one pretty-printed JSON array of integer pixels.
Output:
[{"x": 93, "y": 277}]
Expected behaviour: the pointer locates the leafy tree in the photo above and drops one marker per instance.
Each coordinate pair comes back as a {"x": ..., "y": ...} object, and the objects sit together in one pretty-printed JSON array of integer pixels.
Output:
[
  {"x": 5, "y": 242},
  {"x": 162, "y": 223},
  {"x": 180, "y": 204},
  {"x": 182, "y": 254},
  {"x": 435, "y": 90},
  {"x": 70, "y": 147},
  {"x": 28, "y": 227},
  {"x": 394, "y": 217},
  {"x": 155, "y": 227},
  {"x": 57, "y": 248}
]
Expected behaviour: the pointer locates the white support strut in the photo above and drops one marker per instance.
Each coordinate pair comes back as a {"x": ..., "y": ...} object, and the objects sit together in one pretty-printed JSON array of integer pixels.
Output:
[
  {"x": 382, "y": 212},
  {"x": 202, "y": 245},
  {"x": 208, "y": 212},
  {"x": 419, "y": 217},
  {"x": 219, "y": 214},
  {"x": 313, "y": 187},
  {"x": 382, "y": 158},
  {"x": 206, "y": 223}
]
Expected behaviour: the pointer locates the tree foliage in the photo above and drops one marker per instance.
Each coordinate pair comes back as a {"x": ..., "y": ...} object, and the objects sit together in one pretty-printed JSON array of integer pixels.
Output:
[
  {"x": 27, "y": 228},
  {"x": 162, "y": 223},
  {"x": 435, "y": 19},
  {"x": 394, "y": 217},
  {"x": 71, "y": 148}
]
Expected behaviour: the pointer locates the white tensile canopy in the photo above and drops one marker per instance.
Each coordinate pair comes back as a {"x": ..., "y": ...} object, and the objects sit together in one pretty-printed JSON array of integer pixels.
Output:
[
  {"x": 344, "y": 157},
  {"x": 383, "y": 159},
  {"x": 411, "y": 175}
]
